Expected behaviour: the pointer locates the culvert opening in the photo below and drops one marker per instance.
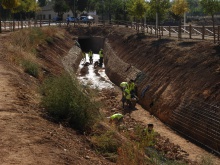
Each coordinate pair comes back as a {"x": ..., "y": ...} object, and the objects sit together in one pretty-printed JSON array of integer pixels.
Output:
[
  {"x": 93, "y": 43},
  {"x": 90, "y": 74}
]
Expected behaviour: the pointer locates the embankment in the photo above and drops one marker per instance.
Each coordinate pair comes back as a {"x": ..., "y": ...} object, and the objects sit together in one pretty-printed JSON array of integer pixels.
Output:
[{"x": 178, "y": 81}]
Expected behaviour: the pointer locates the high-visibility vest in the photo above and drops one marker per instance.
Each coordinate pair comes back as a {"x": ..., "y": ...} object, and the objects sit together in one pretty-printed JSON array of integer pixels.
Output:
[
  {"x": 127, "y": 94},
  {"x": 100, "y": 53},
  {"x": 116, "y": 116},
  {"x": 90, "y": 54},
  {"x": 131, "y": 86}
]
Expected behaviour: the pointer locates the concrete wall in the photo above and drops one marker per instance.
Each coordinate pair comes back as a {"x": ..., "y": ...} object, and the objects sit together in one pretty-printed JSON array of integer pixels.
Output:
[{"x": 94, "y": 43}]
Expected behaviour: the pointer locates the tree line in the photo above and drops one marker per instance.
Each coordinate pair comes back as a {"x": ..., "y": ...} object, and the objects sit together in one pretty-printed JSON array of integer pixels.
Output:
[{"x": 138, "y": 10}]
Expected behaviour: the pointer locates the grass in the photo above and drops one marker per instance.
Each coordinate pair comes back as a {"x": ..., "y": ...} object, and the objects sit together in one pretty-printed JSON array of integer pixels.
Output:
[
  {"x": 23, "y": 47},
  {"x": 64, "y": 100},
  {"x": 31, "y": 67}
]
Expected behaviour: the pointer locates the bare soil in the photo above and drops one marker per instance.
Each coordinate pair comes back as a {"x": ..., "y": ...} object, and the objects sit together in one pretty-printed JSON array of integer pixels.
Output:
[{"x": 28, "y": 138}]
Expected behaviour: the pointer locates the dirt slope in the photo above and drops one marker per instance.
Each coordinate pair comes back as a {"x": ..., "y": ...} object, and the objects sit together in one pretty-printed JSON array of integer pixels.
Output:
[
  {"x": 26, "y": 137},
  {"x": 178, "y": 81}
]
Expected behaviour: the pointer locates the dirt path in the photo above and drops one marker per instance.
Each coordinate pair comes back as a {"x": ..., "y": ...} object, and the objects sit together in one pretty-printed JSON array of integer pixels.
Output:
[{"x": 195, "y": 152}]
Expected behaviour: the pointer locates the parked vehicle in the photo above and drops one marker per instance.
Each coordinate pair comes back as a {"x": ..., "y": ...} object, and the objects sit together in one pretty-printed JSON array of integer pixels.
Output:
[
  {"x": 71, "y": 19},
  {"x": 57, "y": 19},
  {"x": 86, "y": 19}
]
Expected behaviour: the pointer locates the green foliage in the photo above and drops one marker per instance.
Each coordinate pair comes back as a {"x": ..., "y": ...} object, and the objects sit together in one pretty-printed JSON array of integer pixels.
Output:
[
  {"x": 49, "y": 40},
  {"x": 106, "y": 143},
  {"x": 60, "y": 7},
  {"x": 108, "y": 8},
  {"x": 10, "y": 4},
  {"x": 42, "y": 2},
  {"x": 64, "y": 100},
  {"x": 194, "y": 7},
  {"x": 179, "y": 7},
  {"x": 137, "y": 8},
  {"x": 158, "y": 6},
  {"x": 210, "y": 6},
  {"x": 31, "y": 67}
]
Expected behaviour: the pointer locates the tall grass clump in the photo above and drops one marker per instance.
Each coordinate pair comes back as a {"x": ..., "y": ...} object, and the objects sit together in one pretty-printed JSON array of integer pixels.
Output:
[
  {"x": 130, "y": 154},
  {"x": 64, "y": 100},
  {"x": 31, "y": 67}
]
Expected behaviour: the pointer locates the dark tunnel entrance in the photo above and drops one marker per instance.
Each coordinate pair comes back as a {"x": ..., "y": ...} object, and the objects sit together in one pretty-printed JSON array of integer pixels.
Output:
[{"x": 93, "y": 43}]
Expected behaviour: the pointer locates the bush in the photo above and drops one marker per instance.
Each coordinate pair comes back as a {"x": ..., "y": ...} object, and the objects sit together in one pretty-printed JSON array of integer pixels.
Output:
[
  {"x": 131, "y": 154},
  {"x": 31, "y": 68},
  {"x": 64, "y": 101},
  {"x": 106, "y": 144}
]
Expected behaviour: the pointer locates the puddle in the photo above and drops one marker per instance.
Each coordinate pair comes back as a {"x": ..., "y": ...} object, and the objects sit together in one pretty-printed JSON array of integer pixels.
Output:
[{"x": 95, "y": 77}]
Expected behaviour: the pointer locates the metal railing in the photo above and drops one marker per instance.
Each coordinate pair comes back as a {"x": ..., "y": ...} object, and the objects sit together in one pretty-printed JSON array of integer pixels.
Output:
[{"x": 180, "y": 32}]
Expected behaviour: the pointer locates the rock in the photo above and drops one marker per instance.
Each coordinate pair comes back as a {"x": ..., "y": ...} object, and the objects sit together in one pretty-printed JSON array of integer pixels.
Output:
[{"x": 87, "y": 157}]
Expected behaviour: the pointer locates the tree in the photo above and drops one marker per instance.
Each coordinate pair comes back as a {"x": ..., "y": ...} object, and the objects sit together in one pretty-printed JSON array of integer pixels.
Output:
[
  {"x": 26, "y": 6},
  {"x": 179, "y": 7},
  {"x": 137, "y": 8},
  {"x": 211, "y": 7},
  {"x": 60, "y": 7},
  {"x": 111, "y": 8},
  {"x": 194, "y": 7},
  {"x": 42, "y": 3},
  {"x": 159, "y": 8},
  {"x": 10, "y": 4}
]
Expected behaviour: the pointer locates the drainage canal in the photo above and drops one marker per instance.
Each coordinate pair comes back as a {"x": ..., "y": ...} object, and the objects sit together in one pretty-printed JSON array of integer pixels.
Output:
[{"x": 92, "y": 76}]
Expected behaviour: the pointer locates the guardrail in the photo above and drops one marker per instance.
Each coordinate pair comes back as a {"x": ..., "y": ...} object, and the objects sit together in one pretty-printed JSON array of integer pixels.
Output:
[{"x": 180, "y": 32}]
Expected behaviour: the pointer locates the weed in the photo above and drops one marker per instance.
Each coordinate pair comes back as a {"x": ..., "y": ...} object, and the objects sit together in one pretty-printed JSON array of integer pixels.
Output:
[
  {"x": 49, "y": 40},
  {"x": 206, "y": 160},
  {"x": 106, "y": 144},
  {"x": 64, "y": 101},
  {"x": 30, "y": 67},
  {"x": 129, "y": 154}
]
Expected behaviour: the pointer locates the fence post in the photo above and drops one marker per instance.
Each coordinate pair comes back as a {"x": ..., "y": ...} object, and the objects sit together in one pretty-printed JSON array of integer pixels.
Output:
[
  {"x": 218, "y": 32},
  {"x": 203, "y": 32},
  {"x": 159, "y": 30},
  {"x": 179, "y": 32},
  {"x": 0, "y": 25},
  {"x": 190, "y": 31},
  {"x": 147, "y": 28},
  {"x": 151, "y": 30},
  {"x": 162, "y": 30},
  {"x": 169, "y": 32},
  {"x": 40, "y": 20},
  {"x": 214, "y": 33}
]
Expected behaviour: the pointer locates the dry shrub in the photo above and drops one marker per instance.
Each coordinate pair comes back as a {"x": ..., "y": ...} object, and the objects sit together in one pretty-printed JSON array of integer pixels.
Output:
[
  {"x": 129, "y": 154},
  {"x": 22, "y": 44}
]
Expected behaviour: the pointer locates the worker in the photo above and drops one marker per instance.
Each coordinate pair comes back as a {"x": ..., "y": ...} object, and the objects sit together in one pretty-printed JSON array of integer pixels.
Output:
[
  {"x": 90, "y": 56},
  {"x": 126, "y": 97},
  {"x": 84, "y": 57},
  {"x": 116, "y": 118},
  {"x": 132, "y": 87},
  {"x": 100, "y": 57},
  {"x": 123, "y": 86},
  {"x": 149, "y": 135}
]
